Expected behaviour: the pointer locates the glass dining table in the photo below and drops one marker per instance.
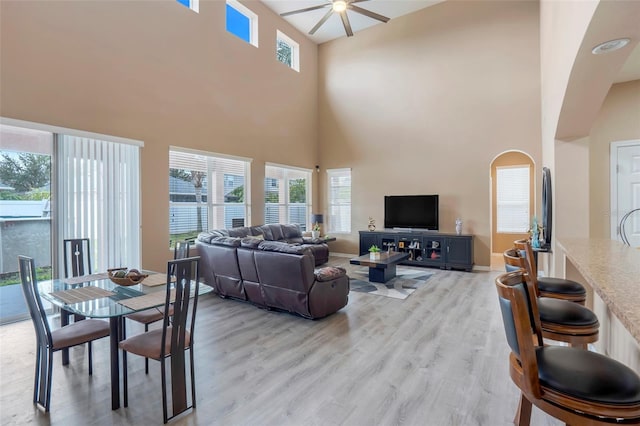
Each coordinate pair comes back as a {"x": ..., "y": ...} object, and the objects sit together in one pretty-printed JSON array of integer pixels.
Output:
[{"x": 96, "y": 296}]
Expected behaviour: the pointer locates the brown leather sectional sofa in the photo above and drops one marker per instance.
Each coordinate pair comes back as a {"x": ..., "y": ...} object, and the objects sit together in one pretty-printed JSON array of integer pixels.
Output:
[{"x": 271, "y": 274}]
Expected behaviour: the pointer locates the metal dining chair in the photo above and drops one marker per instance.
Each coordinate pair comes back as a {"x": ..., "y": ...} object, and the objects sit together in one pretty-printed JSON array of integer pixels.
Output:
[
  {"x": 149, "y": 316},
  {"x": 49, "y": 341},
  {"x": 575, "y": 386},
  {"x": 173, "y": 339}
]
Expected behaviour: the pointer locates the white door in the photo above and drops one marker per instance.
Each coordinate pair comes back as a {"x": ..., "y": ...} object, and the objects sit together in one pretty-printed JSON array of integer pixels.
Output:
[{"x": 625, "y": 190}]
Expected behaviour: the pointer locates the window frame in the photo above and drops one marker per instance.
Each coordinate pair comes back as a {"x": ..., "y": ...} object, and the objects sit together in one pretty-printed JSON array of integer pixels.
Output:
[
  {"x": 251, "y": 16},
  {"x": 295, "y": 50},
  {"x": 331, "y": 204}
]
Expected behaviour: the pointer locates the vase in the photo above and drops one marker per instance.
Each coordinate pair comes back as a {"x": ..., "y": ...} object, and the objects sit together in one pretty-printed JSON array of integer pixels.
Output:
[
  {"x": 535, "y": 240},
  {"x": 458, "y": 227},
  {"x": 315, "y": 234},
  {"x": 374, "y": 255}
]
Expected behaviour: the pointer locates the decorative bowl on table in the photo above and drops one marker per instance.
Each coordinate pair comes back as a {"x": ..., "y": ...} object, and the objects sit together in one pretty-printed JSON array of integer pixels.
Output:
[{"x": 125, "y": 276}]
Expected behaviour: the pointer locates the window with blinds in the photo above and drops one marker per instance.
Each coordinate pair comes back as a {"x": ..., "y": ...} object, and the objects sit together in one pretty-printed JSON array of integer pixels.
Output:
[
  {"x": 339, "y": 202},
  {"x": 206, "y": 191},
  {"x": 99, "y": 187},
  {"x": 512, "y": 199},
  {"x": 287, "y": 195}
]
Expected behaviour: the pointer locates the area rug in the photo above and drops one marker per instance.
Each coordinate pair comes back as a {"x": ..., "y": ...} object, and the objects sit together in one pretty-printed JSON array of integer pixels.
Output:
[{"x": 407, "y": 281}]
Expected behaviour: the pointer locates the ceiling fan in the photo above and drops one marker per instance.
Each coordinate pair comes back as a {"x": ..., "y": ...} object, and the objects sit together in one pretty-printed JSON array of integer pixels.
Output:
[{"x": 340, "y": 7}]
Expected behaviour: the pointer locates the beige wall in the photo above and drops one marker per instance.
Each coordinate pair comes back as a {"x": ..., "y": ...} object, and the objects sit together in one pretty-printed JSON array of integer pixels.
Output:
[
  {"x": 424, "y": 103},
  {"x": 158, "y": 72},
  {"x": 618, "y": 120}
]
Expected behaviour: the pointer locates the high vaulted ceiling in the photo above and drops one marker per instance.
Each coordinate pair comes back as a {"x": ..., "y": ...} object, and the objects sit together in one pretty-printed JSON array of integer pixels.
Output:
[{"x": 333, "y": 27}]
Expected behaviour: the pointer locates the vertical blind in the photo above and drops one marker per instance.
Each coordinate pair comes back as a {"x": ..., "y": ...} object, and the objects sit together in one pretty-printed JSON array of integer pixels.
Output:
[
  {"x": 512, "y": 187},
  {"x": 99, "y": 198},
  {"x": 287, "y": 192},
  {"x": 339, "y": 190}
]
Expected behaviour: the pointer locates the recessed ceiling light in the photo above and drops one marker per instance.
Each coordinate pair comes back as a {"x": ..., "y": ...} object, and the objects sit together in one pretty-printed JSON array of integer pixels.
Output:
[{"x": 610, "y": 46}]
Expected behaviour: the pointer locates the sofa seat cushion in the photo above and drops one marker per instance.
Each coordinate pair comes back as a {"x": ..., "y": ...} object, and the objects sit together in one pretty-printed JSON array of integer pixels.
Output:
[{"x": 329, "y": 273}]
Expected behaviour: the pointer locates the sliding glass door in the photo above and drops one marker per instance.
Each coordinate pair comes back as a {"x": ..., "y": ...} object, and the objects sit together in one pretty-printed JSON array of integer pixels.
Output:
[
  {"x": 25, "y": 212},
  {"x": 57, "y": 184}
]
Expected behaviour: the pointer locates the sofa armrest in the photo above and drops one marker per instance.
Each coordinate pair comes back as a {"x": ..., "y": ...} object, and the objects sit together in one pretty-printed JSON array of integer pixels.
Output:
[{"x": 329, "y": 273}]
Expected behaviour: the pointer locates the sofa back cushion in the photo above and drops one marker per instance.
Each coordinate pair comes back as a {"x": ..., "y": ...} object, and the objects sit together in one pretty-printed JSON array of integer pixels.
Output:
[
  {"x": 292, "y": 233},
  {"x": 263, "y": 230},
  {"x": 286, "y": 279},
  {"x": 226, "y": 241},
  {"x": 240, "y": 232},
  {"x": 282, "y": 247}
]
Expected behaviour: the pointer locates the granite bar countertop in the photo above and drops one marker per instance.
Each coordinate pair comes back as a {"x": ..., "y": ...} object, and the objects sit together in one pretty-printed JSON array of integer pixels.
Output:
[{"x": 613, "y": 270}]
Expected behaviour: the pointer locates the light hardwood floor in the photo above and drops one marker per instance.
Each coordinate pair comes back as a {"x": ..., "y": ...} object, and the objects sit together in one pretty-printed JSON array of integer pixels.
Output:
[{"x": 437, "y": 358}]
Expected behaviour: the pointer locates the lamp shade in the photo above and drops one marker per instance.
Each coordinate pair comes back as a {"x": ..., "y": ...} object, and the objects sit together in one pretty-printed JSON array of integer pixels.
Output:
[{"x": 316, "y": 218}]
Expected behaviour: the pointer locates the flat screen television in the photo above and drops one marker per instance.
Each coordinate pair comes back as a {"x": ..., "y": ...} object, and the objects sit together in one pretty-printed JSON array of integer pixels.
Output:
[{"x": 411, "y": 211}]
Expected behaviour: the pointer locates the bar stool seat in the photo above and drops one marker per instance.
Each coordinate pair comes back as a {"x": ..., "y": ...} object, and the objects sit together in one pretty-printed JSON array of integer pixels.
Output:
[
  {"x": 560, "y": 285},
  {"x": 558, "y": 311},
  {"x": 587, "y": 375}
]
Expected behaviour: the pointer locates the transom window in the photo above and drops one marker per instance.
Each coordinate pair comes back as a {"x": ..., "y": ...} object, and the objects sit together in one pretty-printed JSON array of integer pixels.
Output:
[
  {"x": 287, "y": 51},
  {"x": 512, "y": 196},
  {"x": 287, "y": 195},
  {"x": 339, "y": 202},
  {"x": 191, "y": 4},
  {"x": 206, "y": 191},
  {"x": 242, "y": 22}
]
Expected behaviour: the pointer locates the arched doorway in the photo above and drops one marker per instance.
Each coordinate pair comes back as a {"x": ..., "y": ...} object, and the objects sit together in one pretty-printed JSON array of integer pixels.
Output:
[{"x": 512, "y": 201}]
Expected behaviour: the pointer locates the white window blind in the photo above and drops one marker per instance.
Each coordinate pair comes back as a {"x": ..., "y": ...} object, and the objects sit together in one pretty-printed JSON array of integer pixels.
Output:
[
  {"x": 339, "y": 203},
  {"x": 99, "y": 195},
  {"x": 513, "y": 210},
  {"x": 287, "y": 195},
  {"x": 206, "y": 191}
]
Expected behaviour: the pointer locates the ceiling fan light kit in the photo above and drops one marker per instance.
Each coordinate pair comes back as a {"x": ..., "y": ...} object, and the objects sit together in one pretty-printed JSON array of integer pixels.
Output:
[{"x": 339, "y": 7}]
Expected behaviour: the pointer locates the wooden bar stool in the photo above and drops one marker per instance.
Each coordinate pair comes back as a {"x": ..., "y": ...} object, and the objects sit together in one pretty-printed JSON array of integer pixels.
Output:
[
  {"x": 575, "y": 386},
  {"x": 561, "y": 320},
  {"x": 557, "y": 288}
]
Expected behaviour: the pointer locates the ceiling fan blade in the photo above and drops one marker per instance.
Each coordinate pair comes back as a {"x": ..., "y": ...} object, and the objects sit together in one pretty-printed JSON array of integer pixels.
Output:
[
  {"x": 346, "y": 23},
  {"x": 306, "y": 9},
  {"x": 368, "y": 13},
  {"x": 320, "y": 22}
]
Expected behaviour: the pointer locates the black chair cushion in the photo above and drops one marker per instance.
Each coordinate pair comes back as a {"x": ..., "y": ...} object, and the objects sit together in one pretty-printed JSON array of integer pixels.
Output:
[
  {"x": 561, "y": 286},
  {"x": 558, "y": 311},
  {"x": 587, "y": 375}
]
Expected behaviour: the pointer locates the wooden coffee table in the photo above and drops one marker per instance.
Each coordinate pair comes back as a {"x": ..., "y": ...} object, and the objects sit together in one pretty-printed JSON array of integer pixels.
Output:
[{"x": 383, "y": 269}]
